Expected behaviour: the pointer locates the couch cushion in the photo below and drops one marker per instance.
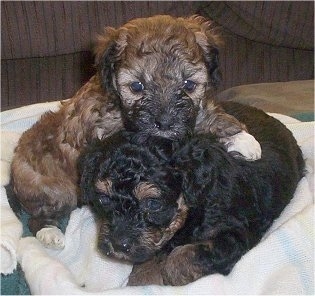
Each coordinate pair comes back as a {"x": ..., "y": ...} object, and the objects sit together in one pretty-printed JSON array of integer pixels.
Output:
[
  {"x": 279, "y": 23},
  {"x": 293, "y": 98}
]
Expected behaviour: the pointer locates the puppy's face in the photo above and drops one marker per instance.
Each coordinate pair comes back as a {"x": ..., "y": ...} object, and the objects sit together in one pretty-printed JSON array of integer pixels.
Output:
[
  {"x": 160, "y": 68},
  {"x": 137, "y": 199}
]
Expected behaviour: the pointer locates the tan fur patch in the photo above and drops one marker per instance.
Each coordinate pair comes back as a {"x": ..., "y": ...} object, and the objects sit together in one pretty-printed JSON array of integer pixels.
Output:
[
  {"x": 147, "y": 273},
  {"x": 176, "y": 223},
  {"x": 179, "y": 268},
  {"x": 145, "y": 190},
  {"x": 105, "y": 186}
]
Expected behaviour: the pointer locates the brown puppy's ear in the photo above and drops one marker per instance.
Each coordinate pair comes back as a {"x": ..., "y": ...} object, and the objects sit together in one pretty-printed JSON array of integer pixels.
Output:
[
  {"x": 208, "y": 38},
  {"x": 107, "y": 49}
]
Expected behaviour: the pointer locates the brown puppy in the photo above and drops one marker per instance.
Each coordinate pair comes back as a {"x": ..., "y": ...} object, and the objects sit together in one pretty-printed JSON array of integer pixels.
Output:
[{"x": 153, "y": 75}]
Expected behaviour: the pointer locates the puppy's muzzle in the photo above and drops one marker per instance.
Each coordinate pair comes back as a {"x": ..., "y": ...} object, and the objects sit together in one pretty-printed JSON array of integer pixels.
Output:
[
  {"x": 171, "y": 117},
  {"x": 164, "y": 123},
  {"x": 123, "y": 247}
]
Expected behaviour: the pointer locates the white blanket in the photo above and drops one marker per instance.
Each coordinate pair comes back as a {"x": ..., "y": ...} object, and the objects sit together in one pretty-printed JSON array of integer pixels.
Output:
[{"x": 282, "y": 263}]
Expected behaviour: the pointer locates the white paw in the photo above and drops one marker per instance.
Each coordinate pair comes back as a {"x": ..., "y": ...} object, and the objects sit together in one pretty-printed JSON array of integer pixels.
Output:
[
  {"x": 51, "y": 237},
  {"x": 244, "y": 144}
]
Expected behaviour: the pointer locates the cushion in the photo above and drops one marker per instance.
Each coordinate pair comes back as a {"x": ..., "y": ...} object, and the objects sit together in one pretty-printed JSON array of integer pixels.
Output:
[{"x": 293, "y": 98}]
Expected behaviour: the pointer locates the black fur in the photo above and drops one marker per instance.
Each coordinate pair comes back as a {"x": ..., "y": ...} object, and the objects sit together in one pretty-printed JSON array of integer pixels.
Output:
[
  {"x": 106, "y": 67},
  {"x": 237, "y": 201},
  {"x": 212, "y": 63},
  {"x": 231, "y": 202},
  {"x": 150, "y": 117},
  {"x": 125, "y": 163}
]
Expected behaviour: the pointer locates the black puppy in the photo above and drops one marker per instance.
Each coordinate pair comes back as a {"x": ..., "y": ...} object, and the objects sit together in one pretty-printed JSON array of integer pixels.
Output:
[
  {"x": 134, "y": 191},
  {"x": 197, "y": 222}
]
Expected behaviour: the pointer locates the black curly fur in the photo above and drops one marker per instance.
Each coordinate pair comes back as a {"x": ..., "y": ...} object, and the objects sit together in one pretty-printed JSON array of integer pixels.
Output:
[{"x": 231, "y": 202}]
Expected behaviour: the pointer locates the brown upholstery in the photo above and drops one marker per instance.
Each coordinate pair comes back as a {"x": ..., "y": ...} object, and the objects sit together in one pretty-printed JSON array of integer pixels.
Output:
[
  {"x": 265, "y": 41},
  {"x": 46, "y": 44}
]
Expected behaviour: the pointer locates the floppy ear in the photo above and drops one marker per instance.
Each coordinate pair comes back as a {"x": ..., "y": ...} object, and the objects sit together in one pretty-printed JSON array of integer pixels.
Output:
[
  {"x": 194, "y": 162},
  {"x": 88, "y": 166},
  {"x": 208, "y": 38},
  {"x": 107, "y": 49}
]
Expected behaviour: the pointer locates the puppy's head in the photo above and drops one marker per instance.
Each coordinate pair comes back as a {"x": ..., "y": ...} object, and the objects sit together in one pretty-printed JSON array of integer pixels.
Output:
[
  {"x": 136, "y": 196},
  {"x": 159, "y": 68}
]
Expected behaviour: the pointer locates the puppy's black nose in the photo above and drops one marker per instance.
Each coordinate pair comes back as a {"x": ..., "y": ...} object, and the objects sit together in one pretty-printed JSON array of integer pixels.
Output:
[
  {"x": 121, "y": 245},
  {"x": 163, "y": 123}
]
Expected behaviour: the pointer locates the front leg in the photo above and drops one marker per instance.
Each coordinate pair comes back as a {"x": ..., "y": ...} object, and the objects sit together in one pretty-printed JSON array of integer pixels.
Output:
[
  {"x": 232, "y": 133},
  {"x": 184, "y": 264},
  {"x": 242, "y": 145},
  {"x": 179, "y": 268},
  {"x": 190, "y": 262},
  {"x": 147, "y": 273}
]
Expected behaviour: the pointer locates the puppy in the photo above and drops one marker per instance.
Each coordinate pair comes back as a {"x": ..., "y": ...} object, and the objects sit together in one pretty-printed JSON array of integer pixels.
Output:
[
  {"x": 140, "y": 185},
  {"x": 177, "y": 225},
  {"x": 152, "y": 78}
]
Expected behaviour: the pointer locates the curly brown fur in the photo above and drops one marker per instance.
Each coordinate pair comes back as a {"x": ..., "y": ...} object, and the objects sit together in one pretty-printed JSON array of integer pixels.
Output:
[
  {"x": 175, "y": 60},
  {"x": 202, "y": 210},
  {"x": 147, "y": 272},
  {"x": 44, "y": 172}
]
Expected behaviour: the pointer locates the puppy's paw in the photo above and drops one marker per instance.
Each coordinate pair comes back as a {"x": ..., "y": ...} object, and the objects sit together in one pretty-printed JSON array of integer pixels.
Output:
[
  {"x": 179, "y": 268},
  {"x": 243, "y": 145},
  {"x": 51, "y": 237},
  {"x": 147, "y": 273}
]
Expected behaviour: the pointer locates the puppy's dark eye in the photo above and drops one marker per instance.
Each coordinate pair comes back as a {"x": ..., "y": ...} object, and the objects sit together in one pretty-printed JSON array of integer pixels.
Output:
[
  {"x": 136, "y": 87},
  {"x": 153, "y": 204},
  {"x": 189, "y": 86},
  {"x": 102, "y": 205},
  {"x": 104, "y": 200}
]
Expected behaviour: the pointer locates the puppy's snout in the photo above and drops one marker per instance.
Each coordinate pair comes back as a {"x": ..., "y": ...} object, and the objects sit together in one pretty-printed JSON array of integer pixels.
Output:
[
  {"x": 163, "y": 123},
  {"x": 121, "y": 245}
]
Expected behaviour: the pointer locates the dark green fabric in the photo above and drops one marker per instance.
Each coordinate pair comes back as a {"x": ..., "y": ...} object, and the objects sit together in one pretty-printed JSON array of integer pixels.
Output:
[
  {"x": 14, "y": 283},
  {"x": 304, "y": 116}
]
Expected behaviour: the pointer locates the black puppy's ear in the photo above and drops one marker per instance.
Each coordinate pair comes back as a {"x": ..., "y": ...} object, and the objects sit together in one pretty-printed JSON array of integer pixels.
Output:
[
  {"x": 89, "y": 165},
  {"x": 194, "y": 162},
  {"x": 208, "y": 37},
  {"x": 108, "y": 49}
]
